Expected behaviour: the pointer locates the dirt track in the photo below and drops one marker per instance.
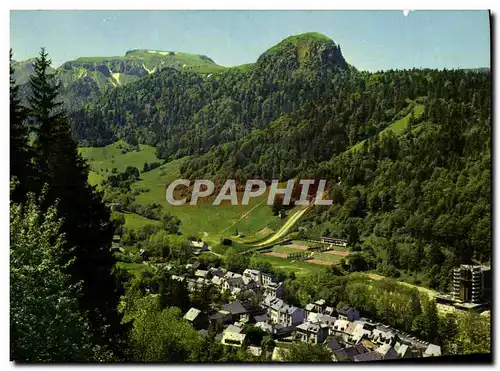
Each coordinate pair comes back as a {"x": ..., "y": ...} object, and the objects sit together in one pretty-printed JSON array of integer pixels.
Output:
[
  {"x": 298, "y": 247},
  {"x": 320, "y": 262},
  {"x": 337, "y": 252},
  {"x": 276, "y": 254}
]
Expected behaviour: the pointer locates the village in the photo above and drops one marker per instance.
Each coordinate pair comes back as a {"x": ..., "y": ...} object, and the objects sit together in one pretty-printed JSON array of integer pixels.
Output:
[{"x": 348, "y": 336}]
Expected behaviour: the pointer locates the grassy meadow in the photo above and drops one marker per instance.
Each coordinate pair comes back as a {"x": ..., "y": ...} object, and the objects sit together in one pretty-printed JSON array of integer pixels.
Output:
[{"x": 202, "y": 220}]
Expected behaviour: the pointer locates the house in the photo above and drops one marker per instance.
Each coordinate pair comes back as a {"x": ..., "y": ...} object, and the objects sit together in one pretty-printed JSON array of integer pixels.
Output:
[
  {"x": 245, "y": 318},
  {"x": 333, "y": 345},
  {"x": 432, "y": 351},
  {"x": 216, "y": 272},
  {"x": 281, "y": 313},
  {"x": 321, "y": 318},
  {"x": 201, "y": 273},
  {"x": 232, "y": 283},
  {"x": 291, "y": 315},
  {"x": 274, "y": 289},
  {"x": 249, "y": 283},
  {"x": 266, "y": 279},
  {"x": 368, "y": 357},
  {"x": 348, "y": 354},
  {"x": 255, "y": 351},
  {"x": 199, "y": 245},
  {"x": 367, "y": 344},
  {"x": 266, "y": 327},
  {"x": 201, "y": 282},
  {"x": 319, "y": 305},
  {"x": 253, "y": 274},
  {"x": 343, "y": 329},
  {"x": 340, "y": 325},
  {"x": 314, "y": 333},
  {"x": 233, "y": 339},
  {"x": 329, "y": 311},
  {"x": 348, "y": 313},
  {"x": 360, "y": 332},
  {"x": 286, "y": 315},
  {"x": 218, "y": 281},
  {"x": 284, "y": 331},
  {"x": 261, "y": 318},
  {"x": 403, "y": 350},
  {"x": 230, "y": 274},
  {"x": 233, "y": 328},
  {"x": 382, "y": 336},
  {"x": 270, "y": 301},
  {"x": 198, "y": 319},
  {"x": 235, "y": 291},
  {"x": 309, "y": 309},
  {"x": 221, "y": 317},
  {"x": 367, "y": 324},
  {"x": 236, "y": 309},
  {"x": 387, "y": 351}
]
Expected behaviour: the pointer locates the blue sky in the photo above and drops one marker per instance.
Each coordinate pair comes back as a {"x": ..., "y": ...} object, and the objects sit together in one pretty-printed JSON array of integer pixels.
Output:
[{"x": 370, "y": 40}]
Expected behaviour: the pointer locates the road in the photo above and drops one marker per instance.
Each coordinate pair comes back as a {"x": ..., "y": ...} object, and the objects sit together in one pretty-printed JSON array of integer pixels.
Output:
[
  {"x": 213, "y": 252},
  {"x": 285, "y": 228}
]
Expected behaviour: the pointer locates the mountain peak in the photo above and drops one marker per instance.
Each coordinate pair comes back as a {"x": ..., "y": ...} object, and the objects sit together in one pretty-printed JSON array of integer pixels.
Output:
[{"x": 310, "y": 50}]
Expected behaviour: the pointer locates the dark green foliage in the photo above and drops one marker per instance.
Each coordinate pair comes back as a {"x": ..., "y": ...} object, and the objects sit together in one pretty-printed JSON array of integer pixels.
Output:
[
  {"x": 20, "y": 152},
  {"x": 148, "y": 167},
  {"x": 406, "y": 153},
  {"x": 235, "y": 261},
  {"x": 86, "y": 221},
  {"x": 130, "y": 174},
  {"x": 277, "y": 205},
  {"x": 47, "y": 324},
  {"x": 305, "y": 352},
  {"x": 301, "y": 111}
]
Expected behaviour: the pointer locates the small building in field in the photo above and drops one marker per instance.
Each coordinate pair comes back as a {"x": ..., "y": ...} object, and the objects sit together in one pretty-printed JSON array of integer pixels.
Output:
[
  {"x": 199, "y": 245},
  {"x": 197, "y": 318}
]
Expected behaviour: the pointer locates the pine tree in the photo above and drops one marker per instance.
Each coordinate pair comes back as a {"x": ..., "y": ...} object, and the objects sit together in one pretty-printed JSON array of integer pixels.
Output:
[
  {"x": 20, "y": 154},
  {"x": 86, "y": 222}
]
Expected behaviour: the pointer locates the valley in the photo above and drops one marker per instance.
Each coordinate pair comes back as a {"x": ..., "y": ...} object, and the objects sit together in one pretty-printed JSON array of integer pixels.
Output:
[{"x": 381, "y": 271}]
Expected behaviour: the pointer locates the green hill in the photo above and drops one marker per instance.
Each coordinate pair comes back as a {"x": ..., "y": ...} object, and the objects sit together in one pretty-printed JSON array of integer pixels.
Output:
[
  {"x": 119, "y": 155},
  {"x": 299, "y": 112}
]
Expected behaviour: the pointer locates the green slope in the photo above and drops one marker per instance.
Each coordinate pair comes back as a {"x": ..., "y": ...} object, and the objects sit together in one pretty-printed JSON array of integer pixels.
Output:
[
  {"x": 204, "y": 219},
  {"x": 119, "y": 155},
  {"x": 396, "y": 127}
]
